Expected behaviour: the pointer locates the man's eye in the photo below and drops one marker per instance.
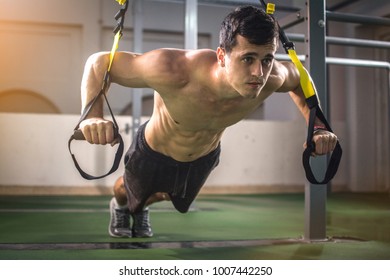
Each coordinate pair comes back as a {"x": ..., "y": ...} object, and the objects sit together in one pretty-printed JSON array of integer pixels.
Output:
[
  {"x": 267, "y": 62},
  {"x": 247, "y": 59}
]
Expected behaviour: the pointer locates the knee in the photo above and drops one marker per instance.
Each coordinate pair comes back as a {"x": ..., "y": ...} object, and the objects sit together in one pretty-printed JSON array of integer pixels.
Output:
[
  {"x": 119, "y": 186},
  {"x": 157, "y": 197}
]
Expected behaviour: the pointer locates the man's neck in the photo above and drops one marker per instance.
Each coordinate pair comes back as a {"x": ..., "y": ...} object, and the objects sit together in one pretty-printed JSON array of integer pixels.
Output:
[{"x": 221, "y": 86}]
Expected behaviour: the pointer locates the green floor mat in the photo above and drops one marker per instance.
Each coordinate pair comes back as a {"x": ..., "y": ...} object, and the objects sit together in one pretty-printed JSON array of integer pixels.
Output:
[{"x": 359, "y": 222}]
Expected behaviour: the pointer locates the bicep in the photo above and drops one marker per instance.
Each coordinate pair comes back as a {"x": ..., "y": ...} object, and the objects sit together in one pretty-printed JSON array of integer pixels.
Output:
[
  {"x": 127, "y": 70},
  {"x": 154, "y": 69}
]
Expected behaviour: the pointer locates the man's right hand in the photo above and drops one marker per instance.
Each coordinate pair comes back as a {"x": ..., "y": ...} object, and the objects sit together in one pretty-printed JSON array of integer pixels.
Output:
[{"x": 98, "y": 131}]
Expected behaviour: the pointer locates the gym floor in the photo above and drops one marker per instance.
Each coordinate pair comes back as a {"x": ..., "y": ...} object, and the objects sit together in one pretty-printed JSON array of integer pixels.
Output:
[{"x": 220, "y": 227}]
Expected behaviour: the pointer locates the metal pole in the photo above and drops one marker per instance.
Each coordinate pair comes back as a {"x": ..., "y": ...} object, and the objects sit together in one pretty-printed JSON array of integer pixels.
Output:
[
  {"x": 358, "y": 62},
  {"x": 285, "y": 57},
  {"x": 191, "y": 25},
  {"x": 231, "y": 3},
  {"x": 357, "y": 42},
  {"x": 296, "y": 37},
  {"x": 137, "y": 48},
  {"x": 352, "y": 18},
  {"x": 316, "y": 195},
  {"x": 344, "y": 41},
  {"x": 343, "y": 61}
]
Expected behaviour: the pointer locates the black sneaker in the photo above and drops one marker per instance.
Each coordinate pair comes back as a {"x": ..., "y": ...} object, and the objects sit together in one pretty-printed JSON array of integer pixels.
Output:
[
  {"x": 141, "y": 224},
  {"x": 119, "y": 221}
]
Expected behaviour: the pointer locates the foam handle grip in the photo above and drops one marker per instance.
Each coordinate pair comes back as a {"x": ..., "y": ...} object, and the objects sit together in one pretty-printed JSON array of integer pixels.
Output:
[{"x": 78, "y": 135}]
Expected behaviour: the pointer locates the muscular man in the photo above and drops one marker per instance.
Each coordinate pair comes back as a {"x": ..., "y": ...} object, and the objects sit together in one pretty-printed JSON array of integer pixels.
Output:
[{"x": 198, "y": 94}]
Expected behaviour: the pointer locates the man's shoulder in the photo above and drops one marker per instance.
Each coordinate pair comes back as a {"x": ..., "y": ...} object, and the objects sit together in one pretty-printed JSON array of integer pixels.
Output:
[
  {"x": 284, "y": 75},
  {"x": 180, "y": 55},
  {"x": 202, "y": 54},
  {"x": 179, "y": 67},
  {"x": 281, "y": 67},
  {"x": 201, "y": 61}
]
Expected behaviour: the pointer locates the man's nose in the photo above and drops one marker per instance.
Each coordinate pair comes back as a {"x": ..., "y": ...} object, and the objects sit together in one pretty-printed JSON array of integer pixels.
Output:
[{"x": 257, "y": 70}]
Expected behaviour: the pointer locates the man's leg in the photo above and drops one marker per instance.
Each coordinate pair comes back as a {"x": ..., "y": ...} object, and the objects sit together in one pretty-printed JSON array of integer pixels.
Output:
[
  {"x": 120, "y": 192},
  {"x": 119, "y": 212},
  {"x": 141, "y": 222}
]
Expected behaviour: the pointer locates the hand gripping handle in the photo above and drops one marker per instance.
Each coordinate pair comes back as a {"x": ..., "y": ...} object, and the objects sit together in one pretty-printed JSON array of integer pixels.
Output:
[
  {"x": 335, "y": 158},
  {"x": 78, "y": 135}
]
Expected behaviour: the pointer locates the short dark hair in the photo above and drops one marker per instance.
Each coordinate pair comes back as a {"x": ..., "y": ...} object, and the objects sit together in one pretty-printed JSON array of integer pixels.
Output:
[{"x": 252, "y": 23}]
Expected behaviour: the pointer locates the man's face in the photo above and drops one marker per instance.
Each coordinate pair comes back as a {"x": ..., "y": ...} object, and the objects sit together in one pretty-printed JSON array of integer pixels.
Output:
[{"x": 248, "y": 66}]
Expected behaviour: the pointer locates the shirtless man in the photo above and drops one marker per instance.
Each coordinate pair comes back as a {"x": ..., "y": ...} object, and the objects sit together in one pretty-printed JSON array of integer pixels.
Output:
[{"x": 198, "y": 94}]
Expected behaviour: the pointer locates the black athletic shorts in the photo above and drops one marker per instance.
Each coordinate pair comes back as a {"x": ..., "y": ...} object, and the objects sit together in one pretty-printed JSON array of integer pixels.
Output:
[{"x": 148, "y": 172}]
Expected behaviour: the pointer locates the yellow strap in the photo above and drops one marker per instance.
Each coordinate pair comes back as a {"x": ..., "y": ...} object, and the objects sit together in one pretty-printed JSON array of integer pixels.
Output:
[
  {"x": 115, "y": 45},
  {"x": 306, "y": 81},
  {"x": 117, "y": 37}
]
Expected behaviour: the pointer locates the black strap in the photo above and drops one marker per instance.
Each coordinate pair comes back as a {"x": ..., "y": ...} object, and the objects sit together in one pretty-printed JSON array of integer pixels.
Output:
[
  {"x": 78, "y": 135},
  {"x": 333, "y": 164}
]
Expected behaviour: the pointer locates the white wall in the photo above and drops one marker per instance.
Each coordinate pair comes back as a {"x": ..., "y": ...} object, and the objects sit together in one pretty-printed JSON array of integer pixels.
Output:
[
  {"x": 255, "y": 154},
  {"x": 44, "y": 44},
  {"x": 51, "y": 41}
]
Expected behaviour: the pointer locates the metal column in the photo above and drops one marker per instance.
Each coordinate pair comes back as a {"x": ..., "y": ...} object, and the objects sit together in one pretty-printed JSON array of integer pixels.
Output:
[
  {"x": 316, "y": 195},
  {"x": 137, "y": 48},
  {"x": 191, "y": 25}
]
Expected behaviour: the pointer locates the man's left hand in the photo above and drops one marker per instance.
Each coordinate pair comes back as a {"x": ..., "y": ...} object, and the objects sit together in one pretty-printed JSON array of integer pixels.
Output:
[{"x": 324, "y": 141}]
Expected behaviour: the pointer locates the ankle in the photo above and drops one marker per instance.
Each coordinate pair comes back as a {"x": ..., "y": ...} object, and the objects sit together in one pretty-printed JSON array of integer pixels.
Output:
[{"x": 120, "y": 204}]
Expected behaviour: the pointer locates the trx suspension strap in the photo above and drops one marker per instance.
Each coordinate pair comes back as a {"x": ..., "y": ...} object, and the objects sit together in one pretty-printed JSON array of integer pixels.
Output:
[
  {"x": 315, "y": 110},
  {"x": 77, "y": 134}
]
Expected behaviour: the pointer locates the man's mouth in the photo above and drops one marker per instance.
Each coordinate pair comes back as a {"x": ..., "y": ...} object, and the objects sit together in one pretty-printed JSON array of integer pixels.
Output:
[{"x": 255, "y": 84}]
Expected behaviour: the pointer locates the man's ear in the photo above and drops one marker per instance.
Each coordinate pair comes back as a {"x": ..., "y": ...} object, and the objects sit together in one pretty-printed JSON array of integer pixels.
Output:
[{"x": 221, "y": 56}]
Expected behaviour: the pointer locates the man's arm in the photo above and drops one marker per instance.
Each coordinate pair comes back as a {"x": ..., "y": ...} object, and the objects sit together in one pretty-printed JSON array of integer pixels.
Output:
[
  {"x": 324, "y": 140},
  {"x": 95, "y": 128},
  {"x": 153, "y": 69}
]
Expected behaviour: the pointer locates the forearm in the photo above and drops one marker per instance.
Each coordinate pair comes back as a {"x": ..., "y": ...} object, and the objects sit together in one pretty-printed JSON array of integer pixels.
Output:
[
  {"x": 92, "y": 81},
  {"x": 299, "y": 99}
]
